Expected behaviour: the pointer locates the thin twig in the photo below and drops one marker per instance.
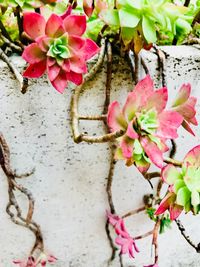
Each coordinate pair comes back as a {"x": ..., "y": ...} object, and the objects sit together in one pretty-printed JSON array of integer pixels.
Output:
[
  {"x": 93, "y": 118},
  {"x": 13, "y": 185},
  {"x": 187, "y": 2},
  {"x": 4, "y": 31},
  {"x": 151, "y": 175},
  {"x": 109, "y": 78},
  {"x": 155, "y": 240},
  {"x": 12, "y": 45},
  {"x": 144, "y": 65},
  {"x": 23, "y": 82},
  {"x": 173, "y": 149},
  {"x": 133, "y": 212},
  {"x": 161, "y": 63},
  {"x": 174, "y": 162},
  {"x": 143, "y": 235},
  {"x": 75, "y": 98},
  {"x": 187, "y": 238}
]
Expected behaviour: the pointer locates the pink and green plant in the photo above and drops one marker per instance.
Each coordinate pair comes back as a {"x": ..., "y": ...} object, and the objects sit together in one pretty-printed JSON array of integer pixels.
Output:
[
  {"x": 123, "y": 238},
  {"x": 42, "y": 260},
  {"x": 146, "y": 125},
  {"x": 59, "y": 48},
  {"x": 184, "y": 186}
]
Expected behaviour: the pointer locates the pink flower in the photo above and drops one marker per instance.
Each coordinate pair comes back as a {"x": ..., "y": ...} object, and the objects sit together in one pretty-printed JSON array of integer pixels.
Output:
[
  {"x": 185, "y": 105},
  {"x": 123, "y": 239},
  {"x": 58, "y": 49},
  {"x": 42, "y": 260},
  {"x": 26, "y": 263},
  {"x": 146, "y": 123}
]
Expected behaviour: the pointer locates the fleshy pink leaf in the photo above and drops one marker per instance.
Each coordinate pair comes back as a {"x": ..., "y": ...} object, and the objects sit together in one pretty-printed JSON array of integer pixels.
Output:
[
  {"x": 165, "y": 203},
  {"x": 33, "y": 54},
  {"x": 67, "y": 12},
  {"x": 158, "y": 100},
  {"x": 74, "y": 77},
  {"x": 54, "y": 27},
  {"x": 144, "y": 89},
  {"x": 193, "y": 157},
  {"x": 75, "y": 24},
  {"x": 90, "y": 49},
  {"x": 35, "y": 70},
  {"x": 170, "y": 174},
  {"x": 53, "y": 72},
  {"x": 183, "y": 95},
  {"x": 127, "y": 147},
  {"x": 131, "y": 132},
  {"x": 169, "y": 122},
  {"x": 174, "y": 211},
  {"x": 88, "y": 7},
  {"x": 131, "y": 106},
  {"x": 115, "y": 118},
  {"x": 34, "y": 24},
  {"x": 76, "y": 43},
  {"x": 152, "y": 151},
  {"x": 78, "y": 65},
  {"x": 60, "y": 82}
]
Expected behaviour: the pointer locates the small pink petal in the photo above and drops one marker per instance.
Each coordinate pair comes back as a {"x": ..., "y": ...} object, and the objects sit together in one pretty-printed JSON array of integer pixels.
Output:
[
  {"x": 34, "y": 24},
  {"x": 54, "y": 26},
  {"x": 115, "y": 118},
  {"x": 33, "y": 54},
  {"x": 152, "y": 151},
  {"x": 75, "y": 24},
  {"x": 35, "y": 70},
  {"x": 74, "y": 77}
]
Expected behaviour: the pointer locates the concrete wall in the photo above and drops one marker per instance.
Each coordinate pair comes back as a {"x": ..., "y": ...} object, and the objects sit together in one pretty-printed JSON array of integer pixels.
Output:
[{"x": 69, "y": 181}]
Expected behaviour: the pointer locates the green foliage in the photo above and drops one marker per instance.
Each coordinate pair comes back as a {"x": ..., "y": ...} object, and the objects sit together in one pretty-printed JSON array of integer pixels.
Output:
[{"x": 165, "y": 223}]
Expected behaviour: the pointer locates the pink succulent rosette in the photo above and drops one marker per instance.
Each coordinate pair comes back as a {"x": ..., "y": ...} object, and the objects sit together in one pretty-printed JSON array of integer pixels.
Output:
[
  {"x": 146, "y": 123},
  {"x": 123, "y": 238},
  {"x": 184, "y": 104},
  {"x": 59, "y": 48},
  {"x": 184, "y": 186}
]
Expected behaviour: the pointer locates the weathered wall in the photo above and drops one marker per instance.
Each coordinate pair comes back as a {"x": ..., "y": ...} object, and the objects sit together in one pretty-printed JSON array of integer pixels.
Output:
[{"x": 69, "y": 181}]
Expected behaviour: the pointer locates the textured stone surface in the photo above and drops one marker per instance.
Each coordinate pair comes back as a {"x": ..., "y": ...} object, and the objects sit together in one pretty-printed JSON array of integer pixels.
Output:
[{"x": 69, "y": 181}]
